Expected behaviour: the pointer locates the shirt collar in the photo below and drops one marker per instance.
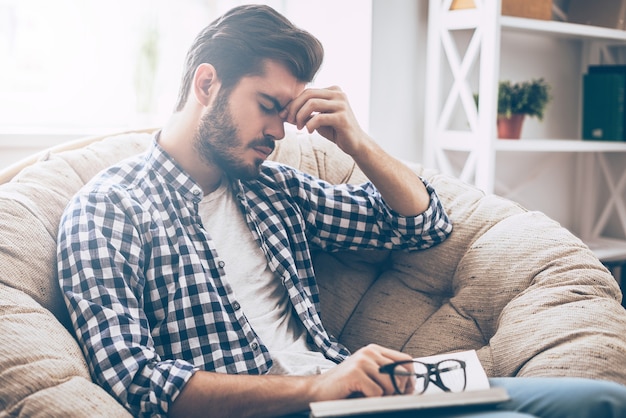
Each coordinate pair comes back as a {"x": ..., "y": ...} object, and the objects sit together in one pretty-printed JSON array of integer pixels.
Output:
[{"x": 173, "y": 174}]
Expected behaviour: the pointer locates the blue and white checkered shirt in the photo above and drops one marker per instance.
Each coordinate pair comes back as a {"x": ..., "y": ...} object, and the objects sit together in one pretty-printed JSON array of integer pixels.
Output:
[{"x": 145, "y": 285}]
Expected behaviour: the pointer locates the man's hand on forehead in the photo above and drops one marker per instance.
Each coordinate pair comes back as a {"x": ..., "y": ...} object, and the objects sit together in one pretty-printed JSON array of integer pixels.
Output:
[
  {"x": 309, "y": 104},
  {"x": 328, "y": 112}
]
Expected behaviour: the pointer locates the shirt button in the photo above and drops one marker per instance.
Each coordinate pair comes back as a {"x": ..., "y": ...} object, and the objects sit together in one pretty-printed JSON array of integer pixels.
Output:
[
  {"x": 221, "y": 264},
  {"x": 236, "y": 306},
  {"x": 254, "y": 346},
  {"x": 195, "y": 191}
]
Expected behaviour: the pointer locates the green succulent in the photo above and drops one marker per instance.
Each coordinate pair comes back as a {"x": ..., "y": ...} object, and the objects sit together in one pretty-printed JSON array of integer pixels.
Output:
[{"x": 527, "y": 97}]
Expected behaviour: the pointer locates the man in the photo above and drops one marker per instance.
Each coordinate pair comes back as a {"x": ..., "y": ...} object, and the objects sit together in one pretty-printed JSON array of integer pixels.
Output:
[{"x": 187, "y": 272}]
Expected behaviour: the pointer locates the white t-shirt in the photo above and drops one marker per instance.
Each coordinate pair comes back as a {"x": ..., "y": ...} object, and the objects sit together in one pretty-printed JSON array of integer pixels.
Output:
[{"x": 260, "y": 293}]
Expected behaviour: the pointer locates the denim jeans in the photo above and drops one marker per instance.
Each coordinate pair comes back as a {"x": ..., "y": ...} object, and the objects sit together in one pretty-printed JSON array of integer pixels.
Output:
[{"x": 552, "y": 397}]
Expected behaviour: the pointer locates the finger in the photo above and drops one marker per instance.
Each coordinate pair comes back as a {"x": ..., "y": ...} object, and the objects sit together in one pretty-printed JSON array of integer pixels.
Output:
[
  {"x": 368, "y": 388},
  {"x": 384, "y": 381},
  {"x": 322, "y": 120},
  {"x": 374, "y": 383},
  {"x": 316, "y": 106},
  {"x": 391, "y": 354},
  {"x": 405, "y": 378},
  {"x": 296, "y": 104},
  {"x": 370, "y": 359},
  {"x": 409, "y": 388}
]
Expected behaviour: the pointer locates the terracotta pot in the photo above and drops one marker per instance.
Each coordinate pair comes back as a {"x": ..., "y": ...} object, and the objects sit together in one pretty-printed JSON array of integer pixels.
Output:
[{"x": 510, "y": 128}]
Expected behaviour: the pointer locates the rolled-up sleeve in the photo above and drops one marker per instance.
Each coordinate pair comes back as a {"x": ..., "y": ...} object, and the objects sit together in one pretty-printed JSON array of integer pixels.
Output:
[
  {"x": 350, "y": 216},
  {"x": 425, "y": 230}
]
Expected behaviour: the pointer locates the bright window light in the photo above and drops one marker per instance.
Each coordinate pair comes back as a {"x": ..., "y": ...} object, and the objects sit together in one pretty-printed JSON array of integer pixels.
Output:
[{"x": 91, "y": 65}]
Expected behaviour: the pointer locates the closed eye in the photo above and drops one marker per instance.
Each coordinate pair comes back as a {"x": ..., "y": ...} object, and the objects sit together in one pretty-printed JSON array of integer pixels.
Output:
[
  {"x": 270, "y": 104},
  {"x": 270, "y": 110}
]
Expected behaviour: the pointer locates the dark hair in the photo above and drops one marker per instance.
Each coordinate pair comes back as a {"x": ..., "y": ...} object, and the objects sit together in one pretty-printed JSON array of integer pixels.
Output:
[{"x": 238, "y": 43}]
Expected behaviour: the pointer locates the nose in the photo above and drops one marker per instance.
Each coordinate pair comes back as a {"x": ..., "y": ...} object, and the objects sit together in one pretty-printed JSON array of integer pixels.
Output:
[{"x": 276, "y": 127}]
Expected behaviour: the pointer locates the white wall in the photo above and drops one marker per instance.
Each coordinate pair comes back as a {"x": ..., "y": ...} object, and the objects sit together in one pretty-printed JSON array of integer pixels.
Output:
[
  {"x": 398, "y": 80},
  {"x": 344, "y": 28}
]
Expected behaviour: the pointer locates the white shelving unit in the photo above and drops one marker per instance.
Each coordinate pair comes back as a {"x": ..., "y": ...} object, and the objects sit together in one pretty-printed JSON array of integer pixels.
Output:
[{"x": 453, "y": 75}]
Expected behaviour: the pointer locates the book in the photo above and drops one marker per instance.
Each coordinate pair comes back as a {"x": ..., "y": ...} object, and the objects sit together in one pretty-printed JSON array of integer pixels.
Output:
[
  {"x": 604, "y": 96},
  {"x": 477, "y": 392},
  {"x": 613, "y": 69},
  {"x": 533, "y": 9}
]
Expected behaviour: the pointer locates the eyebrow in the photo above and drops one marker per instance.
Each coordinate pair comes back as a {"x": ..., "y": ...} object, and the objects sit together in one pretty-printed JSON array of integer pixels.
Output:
[{"x": 277, "y": 105}]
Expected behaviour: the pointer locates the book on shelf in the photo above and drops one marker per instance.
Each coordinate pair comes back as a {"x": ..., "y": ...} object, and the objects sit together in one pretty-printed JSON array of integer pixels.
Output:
[
  {"x": 604, "y": 97},
  {"x": 533, "y": 9},
  {"x": 477, "y": 392}
]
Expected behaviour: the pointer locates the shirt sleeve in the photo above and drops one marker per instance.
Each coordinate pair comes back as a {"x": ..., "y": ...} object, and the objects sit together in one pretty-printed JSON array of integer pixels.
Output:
[
  {"x": 100, "y": 257},
  {"x": 356, "y": 216}
]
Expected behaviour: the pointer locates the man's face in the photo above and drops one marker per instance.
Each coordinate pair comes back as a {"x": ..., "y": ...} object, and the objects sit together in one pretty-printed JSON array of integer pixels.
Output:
[{"x": 238, "y": 131}]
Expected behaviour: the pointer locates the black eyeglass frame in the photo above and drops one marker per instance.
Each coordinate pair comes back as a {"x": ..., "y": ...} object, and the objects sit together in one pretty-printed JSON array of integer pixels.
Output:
[{"x": 433, "y": 370}]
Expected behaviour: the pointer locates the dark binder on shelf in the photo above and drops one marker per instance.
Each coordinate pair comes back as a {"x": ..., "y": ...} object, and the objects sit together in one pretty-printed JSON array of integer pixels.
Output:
[{"x": 604, "y": 94}]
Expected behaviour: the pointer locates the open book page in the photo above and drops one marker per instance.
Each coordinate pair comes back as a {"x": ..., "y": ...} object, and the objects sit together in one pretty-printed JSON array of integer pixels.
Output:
[{"x": 477, "y": 392}]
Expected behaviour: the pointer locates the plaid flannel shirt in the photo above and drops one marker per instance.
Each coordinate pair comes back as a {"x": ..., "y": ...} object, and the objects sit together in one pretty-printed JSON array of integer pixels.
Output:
[{"x": 146, "y": 288}]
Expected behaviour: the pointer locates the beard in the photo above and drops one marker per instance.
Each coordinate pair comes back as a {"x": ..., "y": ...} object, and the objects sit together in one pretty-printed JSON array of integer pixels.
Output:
[{"x": 218, "y": 143}]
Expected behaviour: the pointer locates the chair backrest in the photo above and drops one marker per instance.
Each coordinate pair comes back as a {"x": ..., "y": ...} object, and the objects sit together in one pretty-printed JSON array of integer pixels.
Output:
[
  {"x": 12, "y": 170},
  {"x": 32, "y": 201}
]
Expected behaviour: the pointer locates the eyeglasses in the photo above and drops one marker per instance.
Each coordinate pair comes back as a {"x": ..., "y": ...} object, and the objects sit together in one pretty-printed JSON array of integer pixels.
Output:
[{"x": 413, "y": 376}]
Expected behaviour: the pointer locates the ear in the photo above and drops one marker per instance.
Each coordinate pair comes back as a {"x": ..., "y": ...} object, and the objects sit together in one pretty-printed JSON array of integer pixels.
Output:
[{"x": 205, "y": 83}]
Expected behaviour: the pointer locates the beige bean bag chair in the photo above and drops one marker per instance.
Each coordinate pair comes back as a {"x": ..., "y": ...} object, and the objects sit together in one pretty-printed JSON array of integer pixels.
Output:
[{"x": 530, "y": 297}]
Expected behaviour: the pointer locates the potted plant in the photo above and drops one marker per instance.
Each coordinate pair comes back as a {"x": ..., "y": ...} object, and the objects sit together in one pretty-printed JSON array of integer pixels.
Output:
[{"x": 516, "y": 100}]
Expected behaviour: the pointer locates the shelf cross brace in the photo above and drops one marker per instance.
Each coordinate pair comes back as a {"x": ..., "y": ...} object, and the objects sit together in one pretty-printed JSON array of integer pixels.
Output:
[
  {"x": 460, "y": 88},
  {"x": 615, "y": 201}
]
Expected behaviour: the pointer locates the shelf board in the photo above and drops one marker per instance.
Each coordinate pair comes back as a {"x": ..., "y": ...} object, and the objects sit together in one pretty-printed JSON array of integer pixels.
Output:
[
  {"x": 570, "y": 30},
  {"x": 465, "y": 141},
  {"x": 470, "y": 18},
  {"x": 560, "y": 145},
  {"x": 607, "y": 249}
]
